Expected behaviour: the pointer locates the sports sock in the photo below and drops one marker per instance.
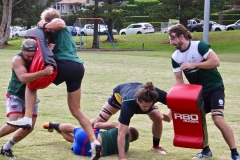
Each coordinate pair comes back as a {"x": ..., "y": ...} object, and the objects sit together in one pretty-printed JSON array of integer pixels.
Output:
[
  {"x": 156, "y": 141},
  {"x": 9, "y": 144},
  {"x": 206, "y": 149},
  {"x": 28, "y": 119},
  {"x": 234, "y": 151},
  {"x": 55, "y": 126}
]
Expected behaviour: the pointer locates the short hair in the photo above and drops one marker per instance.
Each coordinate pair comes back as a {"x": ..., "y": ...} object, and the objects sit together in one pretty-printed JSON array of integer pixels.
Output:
[
  {"x": 49, "y": 14},
  {"x": 29, "y": 45},
  {"x": 179, "y": 29},
  {"x": 133, "y": 133},
  {"x": 147, "y": 93}
]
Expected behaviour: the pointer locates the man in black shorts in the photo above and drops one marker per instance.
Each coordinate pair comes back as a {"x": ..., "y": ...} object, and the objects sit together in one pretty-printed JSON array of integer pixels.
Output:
[
  {"x": 70, "y": 71},
  {"x": 135, "y": 98}
]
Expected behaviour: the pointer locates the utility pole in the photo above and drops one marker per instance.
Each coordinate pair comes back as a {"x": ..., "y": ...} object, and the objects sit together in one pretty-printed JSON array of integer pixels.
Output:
[{"x": 206, "y": 20}]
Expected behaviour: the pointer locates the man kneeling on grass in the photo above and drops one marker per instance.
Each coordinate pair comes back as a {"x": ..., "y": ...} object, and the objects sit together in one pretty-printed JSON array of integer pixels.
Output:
[{"x": 107, "y": 138}]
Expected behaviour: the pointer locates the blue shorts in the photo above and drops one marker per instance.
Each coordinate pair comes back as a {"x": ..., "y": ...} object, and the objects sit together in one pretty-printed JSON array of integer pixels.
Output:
[{"x": 82, "y": 145}]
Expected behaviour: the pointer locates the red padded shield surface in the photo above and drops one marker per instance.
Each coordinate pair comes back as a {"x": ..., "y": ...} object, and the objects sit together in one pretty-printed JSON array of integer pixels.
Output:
[
  {"x": 37, "y": 65},
  {"x": 189, "y": 122}
]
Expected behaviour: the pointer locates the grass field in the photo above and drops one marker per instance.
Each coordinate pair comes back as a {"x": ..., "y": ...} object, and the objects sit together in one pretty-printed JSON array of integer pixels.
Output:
[
  {"x": 222, "y": 42},
  {"x": 104, "y": 70}
]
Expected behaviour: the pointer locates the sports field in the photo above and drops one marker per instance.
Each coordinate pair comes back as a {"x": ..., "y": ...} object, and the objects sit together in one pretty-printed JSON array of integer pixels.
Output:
[{"x": 103, "y": 71}]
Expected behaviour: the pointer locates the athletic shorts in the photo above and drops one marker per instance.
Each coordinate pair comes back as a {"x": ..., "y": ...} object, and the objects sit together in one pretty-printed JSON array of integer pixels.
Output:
[
  {"x": 82, "y": 145},
  {"x": 214, "y": 99},
  {"x": 112, "y": 101},
  {"x": 15, "y": 105},
  {"x": 71, "y": 73}
]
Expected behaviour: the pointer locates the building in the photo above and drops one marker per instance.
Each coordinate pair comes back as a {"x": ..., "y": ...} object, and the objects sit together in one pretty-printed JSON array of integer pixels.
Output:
[{"x": 68, "y": 6}]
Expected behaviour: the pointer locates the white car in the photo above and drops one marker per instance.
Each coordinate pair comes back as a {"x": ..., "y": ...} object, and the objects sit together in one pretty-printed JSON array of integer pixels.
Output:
[
  {"x": 21, "y": 33},
  {"x": 137, "y": 28},
  {"x": 234, "y": 26},
  {"x": 218, "y": 27}
]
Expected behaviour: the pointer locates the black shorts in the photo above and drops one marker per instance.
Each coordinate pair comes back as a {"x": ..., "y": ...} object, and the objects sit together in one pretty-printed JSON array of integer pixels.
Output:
[
  {"x": 113, "y": 102},
  {"x": 71, "y": 73},
  {"x": 214, "y": 99}
]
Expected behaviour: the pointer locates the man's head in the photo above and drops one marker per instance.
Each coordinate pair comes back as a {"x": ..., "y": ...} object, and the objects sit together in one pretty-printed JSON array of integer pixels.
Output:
[
  {"x": 146, "y": 96},
  {"x": 133, "y": 134},
  {"x": 29, "y": 48},
  {"x": 178, "y": 34},
  {"x": 49, "y": 14}
]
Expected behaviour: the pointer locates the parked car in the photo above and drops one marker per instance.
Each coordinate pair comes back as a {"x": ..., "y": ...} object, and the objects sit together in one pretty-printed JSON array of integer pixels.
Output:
[
  {"x": 137, "y": 28},
  {"x": 234, "y": 26},
  {"x": 197, "y": 25},
  {"x": 21, "y": 33},
  {"x": 218, "y": 27},
  {"x": 88, "y": 29},
  {"x": 73, "y": 30},
  {"x": 103, "y": 30}
]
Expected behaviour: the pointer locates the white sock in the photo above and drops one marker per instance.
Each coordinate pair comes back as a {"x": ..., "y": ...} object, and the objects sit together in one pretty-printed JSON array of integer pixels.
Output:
[
  {"x": 28, "y": 119},
  {"x": 9, "y": 144},
  {"x": 94, "y": 143}
]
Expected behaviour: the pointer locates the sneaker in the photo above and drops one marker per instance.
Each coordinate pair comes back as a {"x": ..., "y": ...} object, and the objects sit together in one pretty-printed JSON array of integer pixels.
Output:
[
  {"x": 47, "y": 126},
  {"x": 7, "y": 153},
  {"x": 96, "y": 150},
  {"x": 203, "y": 155},
  {"x": 21, "y": 123},
  {"x": 158, "y": 149},
  {"x": 235, "y": 157}
]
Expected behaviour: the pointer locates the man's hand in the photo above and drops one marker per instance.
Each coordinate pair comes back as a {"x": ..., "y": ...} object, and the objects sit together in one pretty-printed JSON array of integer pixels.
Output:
[
  {"x": 186, "y": 66},
  {"x": 48, "y": 70},
  {"x": 52, "y": 46},
  {"x": 41, "y": 23}
]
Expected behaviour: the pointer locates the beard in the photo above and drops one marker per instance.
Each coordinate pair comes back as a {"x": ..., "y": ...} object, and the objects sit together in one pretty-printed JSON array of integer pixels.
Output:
[{"x": 179, "y": 45}]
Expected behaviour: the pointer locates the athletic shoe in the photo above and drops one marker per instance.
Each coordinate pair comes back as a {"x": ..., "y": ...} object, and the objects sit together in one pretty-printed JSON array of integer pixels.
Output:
[
  {"x": 96, "y": 150},
  {"x": 7, "y": 153},
  {"x": 235, "y": 157},
  {"x": 203, "y": 155},
  {"x": 21, "y": 123},
  {"x": 47, "y": 126},
  {"x": 158, "y": 149}
]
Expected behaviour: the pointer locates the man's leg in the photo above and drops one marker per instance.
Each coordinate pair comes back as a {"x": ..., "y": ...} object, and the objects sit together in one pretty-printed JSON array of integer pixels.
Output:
[
  {"x": 106, "y": 112},
  {"x": 157, "y": 127},
  {"x": 17, "y": 136},
  {"x": 226, "y": 130},
  {"x": 65, "y": 129},
  {"x": 74, "y": 107},
  {"x": 26, "y": 121}
]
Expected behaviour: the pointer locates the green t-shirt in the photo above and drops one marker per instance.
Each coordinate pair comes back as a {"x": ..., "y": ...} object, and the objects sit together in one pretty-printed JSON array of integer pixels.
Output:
[
  {"x": 15, "y": 87},
  {"x": 109, "y": 142},
  {"x": 65, "y": 48}
]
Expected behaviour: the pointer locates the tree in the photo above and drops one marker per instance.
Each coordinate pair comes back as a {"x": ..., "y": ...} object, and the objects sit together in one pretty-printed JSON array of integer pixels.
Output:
[
  {"x": 6, "y": 20},
  {"x": 13, "y": 9},
  {"x": 178, "y": 9},
  {"x": 34, "y": 8}
]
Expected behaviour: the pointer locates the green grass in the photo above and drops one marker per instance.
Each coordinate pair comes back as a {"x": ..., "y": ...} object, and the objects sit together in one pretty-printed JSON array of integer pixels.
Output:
[
  {"x": 222, "y": 42},
  {"x": 104, "y": 70}
]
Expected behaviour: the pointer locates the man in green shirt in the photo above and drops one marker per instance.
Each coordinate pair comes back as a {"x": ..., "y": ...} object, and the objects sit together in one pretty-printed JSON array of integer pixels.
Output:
[{"x": 81, "y": 144}]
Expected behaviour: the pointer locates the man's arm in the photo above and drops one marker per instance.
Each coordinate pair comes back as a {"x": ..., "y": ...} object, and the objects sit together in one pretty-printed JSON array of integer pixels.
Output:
[
  {"x": 56, "y": 24},
  {"x": 178, "y": 77},
  {"x": 23, "y": 75},
  {"x": 106, "y": 125},
  {"x": 212, "y": 61},
  {"x": 122, "y": 131}
]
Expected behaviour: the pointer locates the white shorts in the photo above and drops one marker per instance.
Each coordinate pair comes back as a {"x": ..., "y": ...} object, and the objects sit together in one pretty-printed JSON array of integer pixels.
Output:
[{"x": 15, "y": 105}]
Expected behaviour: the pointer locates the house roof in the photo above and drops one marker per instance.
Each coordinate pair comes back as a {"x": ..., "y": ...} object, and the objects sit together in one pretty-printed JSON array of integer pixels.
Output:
[{"x": 71, "y": 1}]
